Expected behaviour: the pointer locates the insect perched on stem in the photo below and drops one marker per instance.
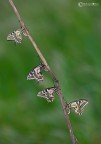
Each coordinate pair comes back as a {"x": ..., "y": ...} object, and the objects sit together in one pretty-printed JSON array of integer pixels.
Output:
[
  {"x": 47, "y": 94},
  {"x": 16, "y": 35},
  {"x": 36, "y": 73},
  {"x": 77, "y": 105}
]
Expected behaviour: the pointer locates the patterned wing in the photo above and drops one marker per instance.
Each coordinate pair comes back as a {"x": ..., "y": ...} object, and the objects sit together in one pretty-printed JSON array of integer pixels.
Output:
[
  {"x": 47, "y": 94},
  {"x": 77, "y": 105},
  {"x": 35, "y": 74},
  {"x": 51, "y": 90},
  {"x": 15, "y": 36},
  {"x": 31, "y": 75},
  {"x": 11, "y": 36},
  {"x": 81, "y": 104},
  {"x": 38, "y": 69},
  {"x": 18, "y": 37}
]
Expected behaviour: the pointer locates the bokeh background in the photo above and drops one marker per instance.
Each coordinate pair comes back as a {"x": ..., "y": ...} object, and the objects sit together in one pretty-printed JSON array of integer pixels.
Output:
[{"x": 69, "y": 37}]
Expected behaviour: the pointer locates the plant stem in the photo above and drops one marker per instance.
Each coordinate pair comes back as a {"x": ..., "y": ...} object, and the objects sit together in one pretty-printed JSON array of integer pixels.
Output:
[{"x": 50, "y": 71}]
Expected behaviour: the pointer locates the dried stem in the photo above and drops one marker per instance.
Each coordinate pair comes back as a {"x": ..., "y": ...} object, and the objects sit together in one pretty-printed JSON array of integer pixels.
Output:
[{"x": 48, "y": 68}]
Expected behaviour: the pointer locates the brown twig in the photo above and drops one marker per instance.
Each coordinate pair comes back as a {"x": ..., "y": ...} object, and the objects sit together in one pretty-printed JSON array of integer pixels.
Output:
[{"x": 48, "y": 68}]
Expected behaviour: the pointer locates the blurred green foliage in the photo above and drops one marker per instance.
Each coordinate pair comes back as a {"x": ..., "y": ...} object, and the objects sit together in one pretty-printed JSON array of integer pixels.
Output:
[{"x": 70, "y": 39}]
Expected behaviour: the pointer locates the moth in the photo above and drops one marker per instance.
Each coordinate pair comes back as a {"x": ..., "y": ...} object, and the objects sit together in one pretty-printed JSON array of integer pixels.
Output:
[
  {"x": 47, "y": 94},
  {"x": 77, "y": 105},
  {"x": 36, "y": 73},
  {"x": 15, "y": 36}
]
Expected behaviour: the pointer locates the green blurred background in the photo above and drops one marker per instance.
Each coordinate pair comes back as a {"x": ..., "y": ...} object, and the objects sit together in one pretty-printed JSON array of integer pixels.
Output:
[{"x": 70, "y": 39}]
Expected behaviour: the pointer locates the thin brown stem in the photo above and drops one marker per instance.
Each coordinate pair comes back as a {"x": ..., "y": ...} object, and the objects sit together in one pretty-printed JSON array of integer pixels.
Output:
[{"x": 49, "y": 69}]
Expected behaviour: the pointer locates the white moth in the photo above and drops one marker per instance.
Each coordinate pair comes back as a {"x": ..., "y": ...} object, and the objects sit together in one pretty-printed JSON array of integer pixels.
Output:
[
  {"x": 77, "y": 105},
  {"x": 15, "y": 36},
  {"x": 47, "y": 94},
  {"x": 36, "y": 74}
]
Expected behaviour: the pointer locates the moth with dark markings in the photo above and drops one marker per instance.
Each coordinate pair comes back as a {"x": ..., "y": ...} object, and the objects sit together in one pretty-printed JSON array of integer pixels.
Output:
[
  {"x": 47, "y": 94},
  {"x": 16, "y": 35},
  {"x": 77, "y": 105},
  {"x": 36, "y": 74}
]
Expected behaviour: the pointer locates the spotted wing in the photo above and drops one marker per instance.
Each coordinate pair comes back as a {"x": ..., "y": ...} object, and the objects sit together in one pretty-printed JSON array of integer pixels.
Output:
[
  {"x": 81, "y": 104},
  {"x": 38, "y": 69},
  {"x": 11, "y": 36},
  {"x": 31, "y": 75},
  {"x": 35, "y": 74},
  {"x": 15, "y": 36},
  {"x": 78, "y": 105},
  {"x": 47, "y": 94},
  {"x": 51, "y": 90},
  {"x": 18, "y": 38}
]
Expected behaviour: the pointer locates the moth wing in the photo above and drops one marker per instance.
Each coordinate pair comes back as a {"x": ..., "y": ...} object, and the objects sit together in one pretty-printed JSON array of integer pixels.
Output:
[
  {"x": 11, "y": 36},
  {"x": 37, "y": 69},
  {"x": 38, "y": 76},
  {"x": 50, "y": 98},
  {"x": 51, "y": 90},
  {"x": 42, "y": 93},
  {"x": 73, "y": 104},
  {"x": 45, "y": 94},
  {"x": 77, "y": 105},
  {"x": 18, "y": 40},
  {"x": 15, "y": 36},
  {"x": 31, "y": 75},
  {"x": 18, "y": 36},
  {"x": 82, "y": 104}
]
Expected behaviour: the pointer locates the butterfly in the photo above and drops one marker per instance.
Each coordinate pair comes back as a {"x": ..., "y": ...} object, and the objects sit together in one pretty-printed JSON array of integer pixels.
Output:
[
  {"x": 15, "y": 36},
  {"x": 36, "y": 74},
  {"x": 47, "y": 94},
  {"x": 77, "y": 105}
]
